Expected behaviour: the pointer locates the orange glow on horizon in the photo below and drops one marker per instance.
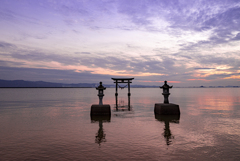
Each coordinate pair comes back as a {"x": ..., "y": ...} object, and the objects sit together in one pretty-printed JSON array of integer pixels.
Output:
[
  {"x": 80, "y": 68},
  {"x": 198, "y": 79},
  {"x": 199, "y": 75},
  {"x": 233, "y": 77},
  {"x": 162, "y": 81}
]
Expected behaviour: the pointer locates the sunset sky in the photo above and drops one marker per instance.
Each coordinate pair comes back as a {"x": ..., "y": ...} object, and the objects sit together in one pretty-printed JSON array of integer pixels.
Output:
[{"x": 186, "y": 42}]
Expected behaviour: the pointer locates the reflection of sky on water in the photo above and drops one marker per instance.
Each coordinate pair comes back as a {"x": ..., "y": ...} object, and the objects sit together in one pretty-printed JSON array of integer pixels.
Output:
[{"x": 56, "y": 123}]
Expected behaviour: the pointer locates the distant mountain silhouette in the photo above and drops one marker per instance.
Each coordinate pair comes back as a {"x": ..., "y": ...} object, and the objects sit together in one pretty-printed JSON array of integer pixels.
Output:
[
  {"x": 42, "y": 84},
  {"x": 39, "y": 84}
]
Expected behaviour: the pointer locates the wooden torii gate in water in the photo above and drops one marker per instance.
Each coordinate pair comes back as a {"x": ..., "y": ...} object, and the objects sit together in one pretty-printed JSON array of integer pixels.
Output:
[{"x": 122, "y": 80}]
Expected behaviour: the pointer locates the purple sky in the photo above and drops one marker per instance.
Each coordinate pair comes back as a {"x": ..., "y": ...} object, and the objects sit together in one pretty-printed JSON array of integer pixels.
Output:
[{"x": 188, "y": 43}]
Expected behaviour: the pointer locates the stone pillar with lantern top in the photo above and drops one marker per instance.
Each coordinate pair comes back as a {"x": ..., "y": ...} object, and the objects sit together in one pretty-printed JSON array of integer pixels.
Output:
[
  {"x": 166, "y": 93},
  {"x": 166, "y": 108},
  {"x": 100, "y": 89},
  {"x": 100, "y": 109}
]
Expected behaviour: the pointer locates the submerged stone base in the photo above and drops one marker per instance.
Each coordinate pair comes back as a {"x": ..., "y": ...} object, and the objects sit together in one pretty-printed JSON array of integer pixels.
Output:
[
  {"x": 168, "y": 118},
  {"x": 166, "y": 109},
  {"x": 100, "y": 118},
  {"x": 98, "y": 110}
]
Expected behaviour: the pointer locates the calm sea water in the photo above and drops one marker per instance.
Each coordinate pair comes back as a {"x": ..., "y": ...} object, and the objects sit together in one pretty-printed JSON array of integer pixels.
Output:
[{"x": 55, "y": 124}]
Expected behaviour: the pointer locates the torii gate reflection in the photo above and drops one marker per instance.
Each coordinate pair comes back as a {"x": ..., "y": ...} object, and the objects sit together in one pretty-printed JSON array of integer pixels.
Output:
[{"x": 122, "y": 80}]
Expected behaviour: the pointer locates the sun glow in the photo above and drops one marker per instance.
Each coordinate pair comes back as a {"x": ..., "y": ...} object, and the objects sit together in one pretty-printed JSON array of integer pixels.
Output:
[
  {"x": 198, "y": 79},
  {"x": 223, "y": 67},
  {"x": 233, "y": 77}
]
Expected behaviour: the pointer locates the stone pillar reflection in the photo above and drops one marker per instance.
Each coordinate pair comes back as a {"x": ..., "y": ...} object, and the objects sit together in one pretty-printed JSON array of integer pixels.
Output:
[
  {"x": 100, "y": 135},
  {"x": 167, "y": 133}
]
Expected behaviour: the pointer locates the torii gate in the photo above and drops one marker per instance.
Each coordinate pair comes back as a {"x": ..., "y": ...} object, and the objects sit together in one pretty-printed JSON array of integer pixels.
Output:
[{"x": 122, "y": 80}]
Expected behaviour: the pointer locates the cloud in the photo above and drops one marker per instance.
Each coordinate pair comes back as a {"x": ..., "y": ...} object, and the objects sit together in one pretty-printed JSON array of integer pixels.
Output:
[
  {"x": 203, "y": 68},
  {"x": 6, "y": 45},
  {"x": 237, "y": 37},
  {"x": 218, "y": 76},
  {"x": 217, "y": 60},
  {"x": 224, "y": 25},
  {"x": 11, "y": 63},
  {"x": 163, "y": 66},
  {"x": 6, "y": 15},
  {"x": 124, "y": 65},
  {"x": 87, "y": 53},
  {"x": 45, "y": 57}
]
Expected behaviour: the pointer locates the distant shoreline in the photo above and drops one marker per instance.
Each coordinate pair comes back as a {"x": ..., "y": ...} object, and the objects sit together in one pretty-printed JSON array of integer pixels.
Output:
[
  {"x": 114, "y": 87},
  {"x": 42, "y": 84},
  {"x": 47, "y": 87}
]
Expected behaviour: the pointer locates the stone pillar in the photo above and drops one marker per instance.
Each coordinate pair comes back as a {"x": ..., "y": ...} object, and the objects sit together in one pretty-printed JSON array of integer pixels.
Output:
[
  {"x": 166, "y": 98},
  {"x": 100, "y": 100},
  {"x": 166, "y": 108},
  {"x": 100, "y": 109},
  {"x": 100, "y": 95}
]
